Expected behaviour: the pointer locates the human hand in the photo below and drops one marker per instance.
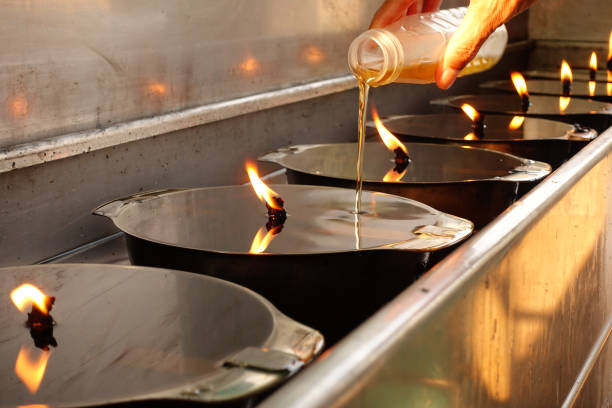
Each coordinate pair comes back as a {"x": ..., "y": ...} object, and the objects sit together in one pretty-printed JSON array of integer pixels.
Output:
[{"x": 481, "y": 19}]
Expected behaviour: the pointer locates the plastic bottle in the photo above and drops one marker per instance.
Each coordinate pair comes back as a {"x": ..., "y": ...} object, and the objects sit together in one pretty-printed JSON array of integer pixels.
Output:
[{"x": 409, "y": 50}]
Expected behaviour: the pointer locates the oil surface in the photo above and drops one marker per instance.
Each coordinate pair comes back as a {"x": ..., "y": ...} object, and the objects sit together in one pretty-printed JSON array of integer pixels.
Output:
[{"x": 421, "y": 72}]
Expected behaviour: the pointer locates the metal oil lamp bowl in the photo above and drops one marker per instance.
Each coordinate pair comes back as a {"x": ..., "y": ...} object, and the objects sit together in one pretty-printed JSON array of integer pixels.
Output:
[
  {"x": 476, "y": 184},
  {"x": 324, "y": 265},
  {"x": 549, "y": 141},
  {"x": 579, "y": 89},
  {"x": 586, "y": 112},
  {"x": 145, "y": 336}
]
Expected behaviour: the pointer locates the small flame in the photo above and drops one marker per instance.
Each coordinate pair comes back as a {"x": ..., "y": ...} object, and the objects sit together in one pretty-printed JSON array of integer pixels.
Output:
[
  {"x": 470, "y": 136},
  {"x": 566, "y": 72},
  {"x": 470, "y": 111},
  {"x": 387, "y": 137},
  {"x": 610, "y": 47},
  {"x": 30, "y": 369},
  {"x": 262, "y": 239},
  {"x": 264, "y": 192},
  {"x": 564, "y": 102},
  {"x": 519, "y": 83},
  {"x": 29, "y": 294},
  {"x": 516, "y": 122},
  {"x": 593, "y": 61},
  {"x": 592, "y": 86},
  {"x": 393, "y": 176}
]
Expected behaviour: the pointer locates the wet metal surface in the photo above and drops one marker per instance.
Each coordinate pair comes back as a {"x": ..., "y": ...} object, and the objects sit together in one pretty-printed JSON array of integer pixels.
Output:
[
  {"x": 430, "y": 163},
  {"x": 510, "y": 319},
  {"x": 578, "y": 74},
  {"x": 456, "y": 126},
  {"x": 319, "y": 220},
  {"x": 451, "y": 178},
  {"x": 146, "y": 57},
  {"x": 595, "y": 114},
  {"x": 129, "y": 333},
  {"x": 539, "y": 139},
  {"x": 555, "y": 88}
]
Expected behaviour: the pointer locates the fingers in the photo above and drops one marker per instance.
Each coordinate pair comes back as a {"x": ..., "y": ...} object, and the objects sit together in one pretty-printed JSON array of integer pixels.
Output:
[
  {"x": 462, "y": 47},
  {"x": 431, "y": 5},
  {"x": 415, "y": 8},
  {"x": 390, "y": 12}
]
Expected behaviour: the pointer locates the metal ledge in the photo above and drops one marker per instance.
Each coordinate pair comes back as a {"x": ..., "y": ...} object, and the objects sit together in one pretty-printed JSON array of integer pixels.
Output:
[
  {"x": 344, "y": 372},
  {"x": 30, "y": 154}
]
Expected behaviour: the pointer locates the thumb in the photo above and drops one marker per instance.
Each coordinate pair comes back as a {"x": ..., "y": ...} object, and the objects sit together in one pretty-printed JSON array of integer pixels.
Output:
[{"x": 463, "y": 46}]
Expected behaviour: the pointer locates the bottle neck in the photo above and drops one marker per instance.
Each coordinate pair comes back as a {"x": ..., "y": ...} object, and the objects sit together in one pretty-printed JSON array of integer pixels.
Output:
[{"x": 376, "y": 57}]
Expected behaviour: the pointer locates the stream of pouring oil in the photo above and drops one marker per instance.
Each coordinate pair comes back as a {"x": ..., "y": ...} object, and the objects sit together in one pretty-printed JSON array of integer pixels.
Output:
[{"x": 364, "y": 89}]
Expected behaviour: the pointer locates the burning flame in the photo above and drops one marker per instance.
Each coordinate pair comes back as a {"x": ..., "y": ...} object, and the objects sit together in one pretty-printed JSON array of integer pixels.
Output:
[
  {"x": 564, "y": 102},
  {"x": 610, "y": 47},
  {"x": 516, "y": 122},
  {"x": 592, "y": 85},
  {"x": 393, "y": 176},
  {"x": 593, "y": 61},
  {"x": 387, "y": 137},
  {"x": 30, "y": 369},
  {"x": 264, "y": 192},
  {"x": 29, "y": 294},
  {"x": 519, "y": 83},
  {"x": 262, "y": 239},
  {"x": 470, "y": 111},
  {"x": 470, "y": 136},
  {"x": 566, "y": 72}
]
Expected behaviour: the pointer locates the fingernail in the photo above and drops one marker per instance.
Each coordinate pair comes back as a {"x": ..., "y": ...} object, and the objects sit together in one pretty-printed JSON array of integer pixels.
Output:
[{"x": 448, "y": 78}]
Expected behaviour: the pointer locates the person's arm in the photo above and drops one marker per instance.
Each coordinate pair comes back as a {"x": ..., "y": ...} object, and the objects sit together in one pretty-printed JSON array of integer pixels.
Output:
[{"x": 481, "y": 19}]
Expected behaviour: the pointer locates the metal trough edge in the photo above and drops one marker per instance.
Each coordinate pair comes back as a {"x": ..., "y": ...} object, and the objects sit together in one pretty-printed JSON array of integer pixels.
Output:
[
  {"x": 342, "y": 371},
  {"x": 60, "y": 147}
]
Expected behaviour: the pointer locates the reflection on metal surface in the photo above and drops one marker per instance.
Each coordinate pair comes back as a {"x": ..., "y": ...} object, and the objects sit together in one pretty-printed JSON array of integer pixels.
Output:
[
  {"x": 85, "y": 77},
  {"x": 250, "y": 66},
  {"x": 524, "y": 293},
  {"x": 263, "y": 238},
  {"x": 510, "y": 319},
  {"x": 18, "y": 106},
  {"x": 592, "y": 88},
  {"x": 110, "y": 337},
  {"x": 38, "y": 152},
  {"x": 564, "y": 102},
  {"x": 393, "y": 175},
  {"x": 157, "y": 88},
  {"x": 30, "y": 368},
  {"x": 470, "y": 136},
  {"x": 319, "y": 220},
  {"x": 313, "y": 54},
  {"x": 516, "y": 122}
]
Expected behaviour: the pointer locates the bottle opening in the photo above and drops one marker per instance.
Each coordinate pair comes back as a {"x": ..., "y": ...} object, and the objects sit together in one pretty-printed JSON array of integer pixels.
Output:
[{"x": 367, "y": 58}]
